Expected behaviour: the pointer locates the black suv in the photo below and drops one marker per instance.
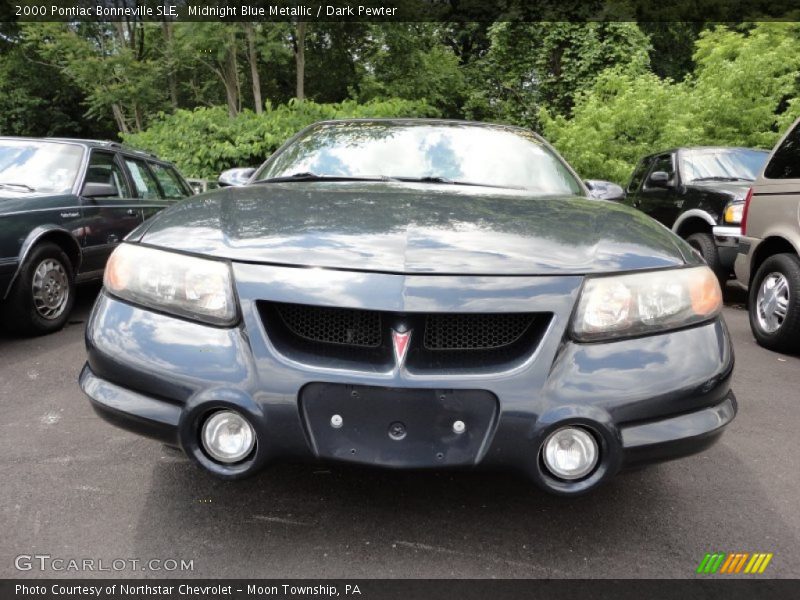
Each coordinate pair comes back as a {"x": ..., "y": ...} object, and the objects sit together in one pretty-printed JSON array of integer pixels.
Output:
[
  {"x": 64, "y": 205},
  {"x": 699, "y": 193}
]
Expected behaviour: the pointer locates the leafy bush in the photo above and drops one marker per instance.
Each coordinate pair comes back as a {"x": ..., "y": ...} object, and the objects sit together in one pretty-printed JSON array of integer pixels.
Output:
[
  {"x": 743, "y": 92},
  {"x": 205, "y": 141}
]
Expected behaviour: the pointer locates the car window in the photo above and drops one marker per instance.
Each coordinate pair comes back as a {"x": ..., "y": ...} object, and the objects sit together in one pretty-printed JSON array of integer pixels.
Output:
[
  {"x": 721, "y": 164},
  {"x": 638, "y": 174},
  {"x": 663, "y": 163},
  {"x": 171, "y": 184},
  {"x": 146, "y": 186},
  {"x": 103, "y": 168},
  {"x": 34, "y": 166},
  {"x": 479, "y": 155},
  {"x": 785, "y": 163}
]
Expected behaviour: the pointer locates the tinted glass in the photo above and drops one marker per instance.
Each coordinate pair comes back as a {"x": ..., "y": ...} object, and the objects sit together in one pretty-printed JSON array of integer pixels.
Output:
[
  {"x": 170, "y": 182},
  {"x": 663, "y": 163},
  {"x": 31, "y": 166},
  {"x": 492, "y": 156},
  {"x": 638, "y": 174},
  {"x": 721, "y": 164},
  {"x": 146, "y": 186},
  {"x": 785, "y": 163},
  {"x": 104, "y": 169}
]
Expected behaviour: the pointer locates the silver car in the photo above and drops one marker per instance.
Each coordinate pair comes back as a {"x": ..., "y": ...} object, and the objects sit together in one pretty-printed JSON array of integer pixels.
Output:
[{"x": 768, "y": 261}]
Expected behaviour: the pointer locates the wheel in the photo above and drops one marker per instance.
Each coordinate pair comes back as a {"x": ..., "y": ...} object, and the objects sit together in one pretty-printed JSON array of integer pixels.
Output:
[
  {"x": 705, "y": 245},
  {"x": 774, "y": 303},
  {"x": 43, "y": 294}
]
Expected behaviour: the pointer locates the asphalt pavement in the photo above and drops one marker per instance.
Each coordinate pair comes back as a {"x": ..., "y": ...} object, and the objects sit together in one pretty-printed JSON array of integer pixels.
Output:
[{"x": 75, "y": 488}]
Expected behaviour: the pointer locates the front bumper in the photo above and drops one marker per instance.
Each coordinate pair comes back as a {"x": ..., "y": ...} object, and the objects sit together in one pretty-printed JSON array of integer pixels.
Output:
[
  {"x": 727, "y": 238},
  {"x": 645, "y": 399}
]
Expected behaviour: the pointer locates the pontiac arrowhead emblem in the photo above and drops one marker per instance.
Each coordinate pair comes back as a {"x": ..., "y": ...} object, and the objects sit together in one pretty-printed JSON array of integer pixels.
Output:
[{"x": 400, "y": 342}]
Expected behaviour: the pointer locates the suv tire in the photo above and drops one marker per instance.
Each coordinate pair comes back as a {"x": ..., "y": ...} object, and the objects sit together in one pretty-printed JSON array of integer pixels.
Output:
[
  {"x": 774, "y": 303},
  {"x": 43, "y": 295},
  {"x": 705, "y": 245}
]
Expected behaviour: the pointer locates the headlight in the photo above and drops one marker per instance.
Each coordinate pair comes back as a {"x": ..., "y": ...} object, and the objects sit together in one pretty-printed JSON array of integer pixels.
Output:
[
  {"x": 641, "y": 303},
  {"x": 733, "y": 214},
  {"x": 191, "y": 287}
]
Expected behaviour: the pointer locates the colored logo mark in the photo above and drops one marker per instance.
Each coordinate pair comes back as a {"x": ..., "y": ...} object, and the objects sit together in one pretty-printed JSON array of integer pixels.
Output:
[{"x": 735, "y": 562}]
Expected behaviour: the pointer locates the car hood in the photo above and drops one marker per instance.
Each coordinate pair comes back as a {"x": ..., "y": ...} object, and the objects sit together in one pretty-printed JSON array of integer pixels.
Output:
[
  {"x": 409, "y": 228},
  {"x": 736, "y": 190}
]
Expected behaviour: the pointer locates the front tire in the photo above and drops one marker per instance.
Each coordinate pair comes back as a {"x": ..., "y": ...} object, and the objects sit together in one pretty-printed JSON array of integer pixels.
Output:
[
  {"x": 43, "y": 294},
  {"x": 705, "y": 245},
  {"x": 774, "y": 303}
]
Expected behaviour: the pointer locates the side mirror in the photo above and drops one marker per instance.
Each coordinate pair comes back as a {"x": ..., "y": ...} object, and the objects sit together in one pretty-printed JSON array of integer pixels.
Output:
[
  {"x": 659, "y": 179},
  {"x": 236, "y": 177},
  {"x": 99, "y": 190},
  {"x": 604, "y": 190}
]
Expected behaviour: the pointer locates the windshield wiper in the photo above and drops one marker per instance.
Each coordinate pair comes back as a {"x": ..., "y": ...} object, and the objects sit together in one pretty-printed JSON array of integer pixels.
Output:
[
  {"x": 309, "y": 176},
  {"x": 720, "y": 178},
  {"x": 8, "y": 184},
  {"x": 448, "y": 181}
]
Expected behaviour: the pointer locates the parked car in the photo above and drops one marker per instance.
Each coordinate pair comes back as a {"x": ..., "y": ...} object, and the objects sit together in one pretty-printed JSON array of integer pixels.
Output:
[
  {"x": 413, "y": 294},
  {"x": 698, "y": 193},
  {"x": 200, "y": 186},
  {"x": 768, "y": 262},
  {"x": 65, "y": 204},
  {"x": 604, "y": 190}
]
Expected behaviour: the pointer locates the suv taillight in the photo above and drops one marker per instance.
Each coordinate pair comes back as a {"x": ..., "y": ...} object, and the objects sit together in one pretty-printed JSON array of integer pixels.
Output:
[{"x": 746, "y": 210}]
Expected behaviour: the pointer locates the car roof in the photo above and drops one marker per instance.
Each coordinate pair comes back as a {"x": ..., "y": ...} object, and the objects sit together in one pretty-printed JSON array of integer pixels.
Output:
[{"x": 88, "y": 143}]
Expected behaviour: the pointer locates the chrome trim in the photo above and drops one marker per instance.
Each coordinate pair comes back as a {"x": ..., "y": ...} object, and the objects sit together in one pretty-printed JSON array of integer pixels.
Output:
[{"x": 727, "y": 236}]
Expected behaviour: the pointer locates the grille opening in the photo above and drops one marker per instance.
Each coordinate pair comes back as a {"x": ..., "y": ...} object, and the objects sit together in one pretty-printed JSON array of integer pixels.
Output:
[
  {"x": 474, "y": 331},
  {"x": 341, "y": 326},
  {"x": 357, "y": 338}
]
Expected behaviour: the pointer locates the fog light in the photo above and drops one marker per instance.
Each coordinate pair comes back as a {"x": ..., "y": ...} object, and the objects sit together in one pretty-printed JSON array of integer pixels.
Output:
[
  {"x": 227, "y": 436},
  {"x": 570, "y": 453}
]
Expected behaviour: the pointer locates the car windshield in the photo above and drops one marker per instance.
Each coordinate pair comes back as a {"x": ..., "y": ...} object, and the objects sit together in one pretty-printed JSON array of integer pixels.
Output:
[
  {"x": 437, "y": 153},
  {"x": 33, "y": 166},
  {"x": 722, "y": 164}
]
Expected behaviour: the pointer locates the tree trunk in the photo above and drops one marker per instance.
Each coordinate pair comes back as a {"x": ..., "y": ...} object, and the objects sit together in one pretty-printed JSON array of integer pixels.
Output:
[
  {"x": 300, "y": 59},
  {"x": 252, "y": 57},
  {"x": 230, "y": 76},
  {"x": 172, "y": 82},
  {"x": 119, "y": 117}
]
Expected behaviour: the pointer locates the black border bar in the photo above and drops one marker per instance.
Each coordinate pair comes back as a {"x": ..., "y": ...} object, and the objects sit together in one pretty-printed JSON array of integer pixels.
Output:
[
  {"x": 399, "y": 589},
  {"x": 400, "y": 10}
]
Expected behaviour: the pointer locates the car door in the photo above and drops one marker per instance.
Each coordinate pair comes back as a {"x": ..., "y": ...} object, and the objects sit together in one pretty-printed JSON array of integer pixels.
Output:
[
  {"x": 634, "y": 188},
  {"x": 107, "y": 219},
  {"x": 661, "y": 199},
  {"x": 145, "y": 186}
]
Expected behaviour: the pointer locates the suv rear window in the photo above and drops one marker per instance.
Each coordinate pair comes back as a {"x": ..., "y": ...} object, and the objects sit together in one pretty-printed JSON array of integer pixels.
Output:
[{"x": 785, "y": 163}]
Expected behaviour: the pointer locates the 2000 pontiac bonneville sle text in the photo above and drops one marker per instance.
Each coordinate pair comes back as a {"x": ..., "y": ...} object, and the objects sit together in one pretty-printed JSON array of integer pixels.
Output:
[{"x": 412, "y": 294}]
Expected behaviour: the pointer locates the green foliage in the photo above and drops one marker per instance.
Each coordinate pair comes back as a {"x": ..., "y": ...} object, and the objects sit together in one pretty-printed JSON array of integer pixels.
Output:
[
  {"x": 743, "y": 90},
  {"x": 408, "y": 60},
  {"x": 205, "y": 141},
  {"x": 530, "y": 65}
]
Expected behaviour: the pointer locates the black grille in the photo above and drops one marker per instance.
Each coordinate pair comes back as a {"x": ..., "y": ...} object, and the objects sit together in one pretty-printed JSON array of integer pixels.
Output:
[
  {"x": 474, "y": 331},
  {"x": 439, "y": 341},
  {"x": 361, "y": 328}
]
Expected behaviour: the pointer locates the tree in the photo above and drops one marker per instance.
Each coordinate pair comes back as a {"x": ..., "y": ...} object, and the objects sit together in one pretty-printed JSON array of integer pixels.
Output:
[
  {"x": 534, "y": 65},
  {"x": 299, "y": 45},
  {"x": 743, "y": 90}
]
